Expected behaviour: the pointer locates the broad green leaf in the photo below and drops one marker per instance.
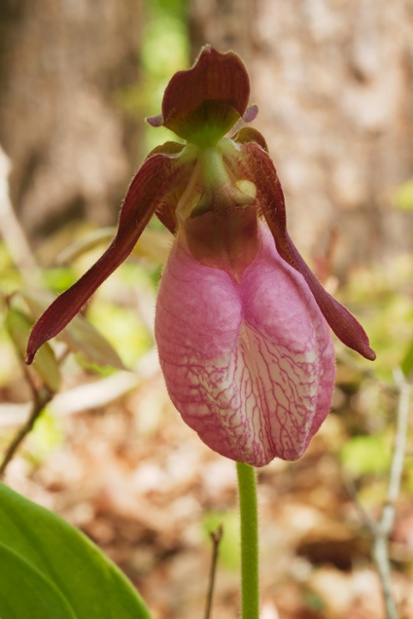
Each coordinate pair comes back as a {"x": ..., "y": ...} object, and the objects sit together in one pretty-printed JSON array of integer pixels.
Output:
[
  {"x": 19, "y": 325},
  {"x": 56, "y": 566},
  {"x": 41, "y": 598}
]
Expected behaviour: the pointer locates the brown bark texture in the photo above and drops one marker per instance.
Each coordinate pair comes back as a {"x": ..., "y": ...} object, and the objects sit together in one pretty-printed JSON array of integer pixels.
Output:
[
  {"x": 72, "y": 149},
  {"x": 334, "y": 83}
]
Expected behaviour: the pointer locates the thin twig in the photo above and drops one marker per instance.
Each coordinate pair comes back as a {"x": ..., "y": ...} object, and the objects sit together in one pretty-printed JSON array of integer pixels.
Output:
[
  {"x": 216, "y": 537},
  {"x": 403, "y": 413},
  {"x": 380, "y": 531},
  {"x": 369, "y": 523},
  {"x": 42, "y": 398},
  {"x": 386, "y": 521}
]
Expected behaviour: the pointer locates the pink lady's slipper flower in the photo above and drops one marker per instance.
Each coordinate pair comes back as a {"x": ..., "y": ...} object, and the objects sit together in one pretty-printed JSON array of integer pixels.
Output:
[{"x": 241, "y": 321}]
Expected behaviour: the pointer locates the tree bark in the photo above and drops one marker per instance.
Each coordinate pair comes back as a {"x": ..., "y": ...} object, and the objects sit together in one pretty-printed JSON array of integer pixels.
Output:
[
  {"x": 334, "y": 84},
  {"x": 62, "y": 65}
]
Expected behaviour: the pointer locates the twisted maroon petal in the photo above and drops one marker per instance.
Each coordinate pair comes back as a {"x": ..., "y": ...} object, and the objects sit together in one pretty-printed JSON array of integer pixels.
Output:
[
  {"x": 270, "y": 199},
  {"x": 151, "y": 184}
]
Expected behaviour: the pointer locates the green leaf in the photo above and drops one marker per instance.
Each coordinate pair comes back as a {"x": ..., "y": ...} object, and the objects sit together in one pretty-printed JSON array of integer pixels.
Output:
[
  {"x": 40, "y": 599},
  {"x": 49, "y": 570}
]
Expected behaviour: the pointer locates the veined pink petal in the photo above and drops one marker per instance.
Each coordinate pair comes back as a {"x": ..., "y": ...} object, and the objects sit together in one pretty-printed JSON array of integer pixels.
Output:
[{"x": 249, "y": 365}]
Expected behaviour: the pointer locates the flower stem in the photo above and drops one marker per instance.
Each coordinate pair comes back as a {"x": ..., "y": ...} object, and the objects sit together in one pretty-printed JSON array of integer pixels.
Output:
[{"x": 249, "y": 540}]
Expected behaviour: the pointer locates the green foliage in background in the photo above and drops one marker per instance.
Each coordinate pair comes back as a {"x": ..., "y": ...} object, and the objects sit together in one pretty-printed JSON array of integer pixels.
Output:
[
  {"x": 363, "y": 455},
  {"x": 164, "y": 50},
  {"x": 46, "y": 437},
  {"x": 381, "y": 297},
  {"x": 403, "y": 198},
  {"x": 229, "y": 549},
  {"x": 121, "y": 325}
]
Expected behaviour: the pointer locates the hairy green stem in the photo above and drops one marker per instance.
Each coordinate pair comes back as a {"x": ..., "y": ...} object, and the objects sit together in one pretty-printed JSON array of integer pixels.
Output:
[{"x": 249, "y": 541}]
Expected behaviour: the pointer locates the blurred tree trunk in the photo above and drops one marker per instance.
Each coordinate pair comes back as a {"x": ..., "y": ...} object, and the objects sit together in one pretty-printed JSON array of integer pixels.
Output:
[
  {"x": 334, "y": 84},
  {"x": 62, "y": 66}
]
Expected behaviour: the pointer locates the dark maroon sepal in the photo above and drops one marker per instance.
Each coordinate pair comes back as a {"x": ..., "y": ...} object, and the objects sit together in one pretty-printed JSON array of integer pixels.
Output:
[{"x": 211, "y": 96}]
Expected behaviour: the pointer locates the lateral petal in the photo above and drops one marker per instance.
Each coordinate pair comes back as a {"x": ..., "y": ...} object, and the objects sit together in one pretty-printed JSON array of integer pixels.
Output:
[
  {"x": 159, "y": 174},
  {"x": 270, "y": 200}
]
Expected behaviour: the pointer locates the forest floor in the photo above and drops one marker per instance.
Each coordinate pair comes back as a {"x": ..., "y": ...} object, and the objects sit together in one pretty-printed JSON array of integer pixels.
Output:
[{"x": 141, "y": 484}]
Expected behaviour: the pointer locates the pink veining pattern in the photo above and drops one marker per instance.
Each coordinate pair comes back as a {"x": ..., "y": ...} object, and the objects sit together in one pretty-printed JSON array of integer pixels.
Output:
[{"x": 248, "y": 364}]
